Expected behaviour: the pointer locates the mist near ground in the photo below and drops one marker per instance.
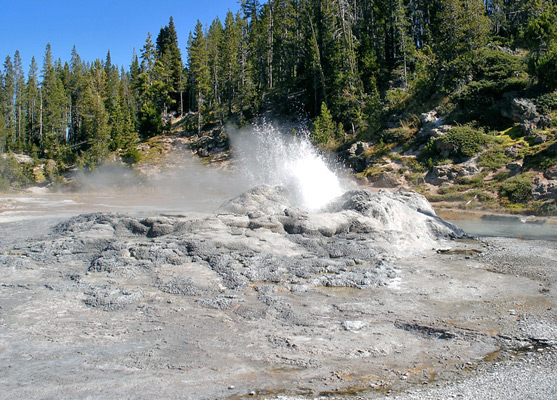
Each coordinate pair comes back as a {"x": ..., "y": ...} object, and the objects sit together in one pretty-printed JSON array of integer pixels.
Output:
[{"x": 261, "y": 154}]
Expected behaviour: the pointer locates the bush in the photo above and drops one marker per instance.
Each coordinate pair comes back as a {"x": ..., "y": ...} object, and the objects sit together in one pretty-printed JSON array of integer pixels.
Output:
[
  {"x": 11, "y": 174},
  {"x": 395, "y": 135},
  {"x": 546, "y": 69},
  {"x": 496, "y": 65},
  {"x": 494, "y": 159},
  {"x": 517, "y": 189},
  {"x": 546, "y": 103},
  {"x": 132, "y": 156},
  {"x": 548, "y": 208},
  {"x": 543, "y": 159},
  {"x": 462, "y": 141}
]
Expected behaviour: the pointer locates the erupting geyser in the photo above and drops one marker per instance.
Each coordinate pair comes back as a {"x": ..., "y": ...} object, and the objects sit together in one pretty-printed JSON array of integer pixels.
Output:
[{"x": 274, "y": 158}]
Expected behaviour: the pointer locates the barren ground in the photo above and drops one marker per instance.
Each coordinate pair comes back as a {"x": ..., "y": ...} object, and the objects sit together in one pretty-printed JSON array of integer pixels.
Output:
[{"x": 189, "y": 306}]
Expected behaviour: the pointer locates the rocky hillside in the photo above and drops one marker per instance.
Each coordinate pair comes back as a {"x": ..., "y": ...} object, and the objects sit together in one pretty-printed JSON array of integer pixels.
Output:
[{"x": 465, "y": 165}]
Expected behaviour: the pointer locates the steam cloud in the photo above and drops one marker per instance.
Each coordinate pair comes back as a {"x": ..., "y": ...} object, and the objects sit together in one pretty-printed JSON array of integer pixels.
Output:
[{"x": 263, "y": 154}]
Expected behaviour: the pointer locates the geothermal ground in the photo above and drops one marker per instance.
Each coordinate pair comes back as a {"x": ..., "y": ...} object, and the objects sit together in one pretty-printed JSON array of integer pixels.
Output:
[{"x": 373, "y": 297}]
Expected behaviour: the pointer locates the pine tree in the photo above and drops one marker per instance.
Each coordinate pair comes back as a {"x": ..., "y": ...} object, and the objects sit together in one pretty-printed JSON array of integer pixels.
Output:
[
  {"x": 32, "y": 104},
  {"x": 230, "y": 58},
  {"x": 19, "y": 102},
  {"x": 53, "y": 122},
  {"x": 214, "y": 56},
  {"x": 199, "y": 71},
  {"x": 76, "y": 90},
  {"x": 168, "y": 53},
  {"x": 95, "y": 118},
  {"x": 325, "y": 130},
  {"x": 147, "y": 63},
  {"x": 8, "y": 106}
]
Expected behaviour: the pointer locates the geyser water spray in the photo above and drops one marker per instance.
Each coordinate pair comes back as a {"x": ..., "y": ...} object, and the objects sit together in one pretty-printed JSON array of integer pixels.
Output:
[{"x": 272, "y": 157}]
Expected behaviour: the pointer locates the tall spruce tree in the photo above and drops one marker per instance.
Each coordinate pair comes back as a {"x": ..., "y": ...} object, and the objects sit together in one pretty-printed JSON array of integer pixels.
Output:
[
  {"x": 168, "y": 53},
  {"x": 214, "y": 58},
  {"x": 230, "y": 58},
  {"x": 198, "y": 67},
  {"x": 8, "y": 97},
  {"x": 32, "y": 105},
  {"x": 19, "y": 102}
]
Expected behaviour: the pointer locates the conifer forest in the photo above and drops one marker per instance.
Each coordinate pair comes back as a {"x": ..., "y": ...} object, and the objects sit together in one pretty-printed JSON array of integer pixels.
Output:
[{"x": 355, "y": 69}]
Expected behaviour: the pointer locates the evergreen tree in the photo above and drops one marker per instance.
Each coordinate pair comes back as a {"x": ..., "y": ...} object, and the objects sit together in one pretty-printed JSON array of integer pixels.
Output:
[
  {"x": 95, "y": 120},
  {"x": 214, "y": 57},
  {"x": 32, "y": 104},
  {"x": 541, "y": 34},
  {"x": 230, "y": 58},
  {"x": 76, "y": 90},
  {"x": 19, "y": 102},
  {"x": 8, "y": 97},
  {"x": 325, "y": 130},
  {"x": 168, "y": 53},
  {"x": 199, "y": 71},
  {"x": 53, "y": 122}
]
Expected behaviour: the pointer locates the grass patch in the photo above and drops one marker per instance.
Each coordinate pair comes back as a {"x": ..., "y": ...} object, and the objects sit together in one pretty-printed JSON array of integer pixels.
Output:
[
  {"x": 514, "y": 132},
  {"x": 494, "y": 159},
  {"x": 545, "y": 157}
]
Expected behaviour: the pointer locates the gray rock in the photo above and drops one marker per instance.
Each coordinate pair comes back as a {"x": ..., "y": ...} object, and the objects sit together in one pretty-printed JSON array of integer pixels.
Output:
[
  {"x": 551, "y": 173},
  {"x": 450, "y": 173},
  {"x": 523, "y": 109},
  {"x": 514, "y": 150},
  {"x": 514, "y": 167},
  {"x": 539, "y": 138},
  {"x": 386, "y": 180},
  {"x": 544, "y": 190}
]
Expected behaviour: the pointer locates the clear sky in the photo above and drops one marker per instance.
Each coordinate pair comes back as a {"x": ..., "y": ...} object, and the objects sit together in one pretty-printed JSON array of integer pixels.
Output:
[{"x": 97, "y": 26}]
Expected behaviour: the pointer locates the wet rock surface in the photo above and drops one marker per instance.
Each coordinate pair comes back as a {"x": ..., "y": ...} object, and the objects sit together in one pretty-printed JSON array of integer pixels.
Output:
[{"x": 263, "y": 300}]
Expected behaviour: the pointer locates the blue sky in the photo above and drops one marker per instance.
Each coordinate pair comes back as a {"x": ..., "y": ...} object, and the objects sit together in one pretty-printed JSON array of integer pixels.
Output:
[{"x": 96, "y": 26}]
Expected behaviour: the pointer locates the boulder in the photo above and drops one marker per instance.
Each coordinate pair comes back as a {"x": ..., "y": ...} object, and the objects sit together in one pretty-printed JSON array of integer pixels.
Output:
[
  {"x": 429, "y": 117},
  {"x": 514, "y": 167},
  {"x": 215, "y": 142},
  {"x": 358, "y": 148},
  {"x": 539, "y": 138},
  {"x": 514, "y": 150},
  {"x": 450, "y": 173},
  {"x": 551, "y": 173},
  {"x": 544, "y": 190},
  {"x": 523, "y": 109},
  {"x": 386, "y": 179},
  {"x": 525, "y": 112}
]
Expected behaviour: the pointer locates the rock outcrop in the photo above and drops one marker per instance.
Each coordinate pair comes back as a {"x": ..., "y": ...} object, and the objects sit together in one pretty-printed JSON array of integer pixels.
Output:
[
  {"x": 525, "y": 112},
  {"x": 447, "y": 174}
]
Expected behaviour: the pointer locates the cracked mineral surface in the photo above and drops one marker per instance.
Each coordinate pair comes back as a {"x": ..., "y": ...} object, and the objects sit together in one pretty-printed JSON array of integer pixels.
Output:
[{"x": 373, "y": 296}]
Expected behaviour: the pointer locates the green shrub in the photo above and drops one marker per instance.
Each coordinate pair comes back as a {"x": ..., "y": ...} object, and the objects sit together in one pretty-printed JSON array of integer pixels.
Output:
[
  {"x": 543, "y": 159},
  {"x": 517, "y": 189},
  {"x": 463, "y": 141},
  {"x": 501, "y": 176},
  {"x": 497, "y": 65},
  {"x": 395, "y": 135},
  {"x": 131, "y": 156},
  {"x": 11, "y": 174},
  {"x": 546, "y": 103},
  {"x": 494, "y": 159},
  {"x": 545, "y": 68},
  {"x": 548, "y": 208}
]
